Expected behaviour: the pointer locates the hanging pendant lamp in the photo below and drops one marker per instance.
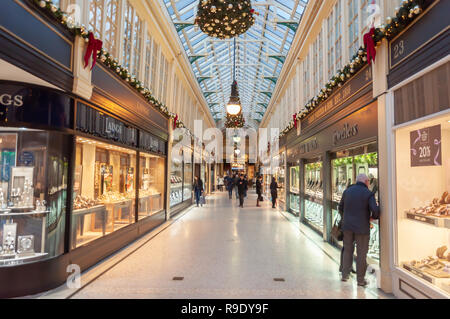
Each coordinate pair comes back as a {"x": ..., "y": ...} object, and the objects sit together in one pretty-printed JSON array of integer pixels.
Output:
[{"x": 234, "y": 105}]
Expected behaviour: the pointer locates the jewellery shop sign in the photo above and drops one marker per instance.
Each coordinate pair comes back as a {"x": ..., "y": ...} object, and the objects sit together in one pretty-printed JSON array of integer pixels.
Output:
[{"x": 34, "y": 105}]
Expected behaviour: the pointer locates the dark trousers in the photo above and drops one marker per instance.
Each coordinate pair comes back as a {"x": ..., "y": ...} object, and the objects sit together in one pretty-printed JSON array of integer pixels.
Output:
[
  {"x": 241, "y": 200},
  {"x": 230, "y": 192},
  {"x": 362, "y": 247},
  {"x": 258, "y": 198},
  {"x": 274, "y": 200},
  {"x": 198, "y": 193}
]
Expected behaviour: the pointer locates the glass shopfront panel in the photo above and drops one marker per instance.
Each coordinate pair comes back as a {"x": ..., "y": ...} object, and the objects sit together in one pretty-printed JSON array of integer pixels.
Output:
[
  {"x": 176, "y": 181},
  {"x": 187, "y": 185},
  {"x": 279, "y": 174},
  {"x": 33, "y": 194},
  {"x": 104, "y": 190},
  {"x": 423, "y": 202},
  {"x": 152, "y": 181},
  {"x": 345, "y": 168},
  {"x": 294, "y": 189},
  {"x": 314, "y": 194}
]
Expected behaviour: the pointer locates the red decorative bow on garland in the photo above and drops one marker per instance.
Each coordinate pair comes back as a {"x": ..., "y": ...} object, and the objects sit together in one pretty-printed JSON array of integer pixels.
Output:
[
  {"x": 369, "y": 43},
  {"x": 295, "y": 120},
  {"x": 94, "y": 46},
  {"x": 175, "y": 121}
]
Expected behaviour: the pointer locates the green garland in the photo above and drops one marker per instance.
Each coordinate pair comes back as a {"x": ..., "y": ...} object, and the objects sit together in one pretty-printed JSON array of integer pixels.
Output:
[
  {"x": 404, "y": 16},
  {"x": 107, "y": 59}
]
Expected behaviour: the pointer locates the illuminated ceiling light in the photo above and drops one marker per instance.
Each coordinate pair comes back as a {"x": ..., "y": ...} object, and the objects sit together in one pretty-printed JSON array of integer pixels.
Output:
[
  {"x": 237, "y": 151},
  {"x": 234, "y": 105}
]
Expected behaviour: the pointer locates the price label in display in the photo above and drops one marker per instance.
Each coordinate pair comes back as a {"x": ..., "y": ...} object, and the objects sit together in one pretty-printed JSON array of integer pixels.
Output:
[{"x": 426, "y": 149}]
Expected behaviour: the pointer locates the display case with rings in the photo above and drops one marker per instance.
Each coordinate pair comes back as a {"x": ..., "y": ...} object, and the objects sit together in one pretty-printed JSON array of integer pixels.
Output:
[
  {"x": 104, "y": 190},
  {"x": 313, "y": 196},
  {"x": 294, "y": 189}
]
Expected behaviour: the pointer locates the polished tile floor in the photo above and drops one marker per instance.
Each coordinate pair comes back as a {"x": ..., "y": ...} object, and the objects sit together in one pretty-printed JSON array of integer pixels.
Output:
[{"x": 223, "y": 251}]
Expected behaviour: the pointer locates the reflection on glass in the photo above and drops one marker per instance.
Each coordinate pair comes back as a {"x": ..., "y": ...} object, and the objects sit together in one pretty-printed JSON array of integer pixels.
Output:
[
  {"x": 104, "y": 190},
  {"x": 423, "y": 201},
  {"x": 176, "y": 181},
  {"x": 345, "y": 169},
  {"x": 314, "y": 194},
  {"x": 187, "y": 187},
  {"x": 294, "y": 198},
  {"x": 151, "y": 188},
  {"x": 33, "y": 194},
  {"x": 279, "y": 174}
]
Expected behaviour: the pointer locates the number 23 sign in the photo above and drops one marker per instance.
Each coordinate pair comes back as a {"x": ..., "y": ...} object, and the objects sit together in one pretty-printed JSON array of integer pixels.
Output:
[{"x": 426, "y": 146}]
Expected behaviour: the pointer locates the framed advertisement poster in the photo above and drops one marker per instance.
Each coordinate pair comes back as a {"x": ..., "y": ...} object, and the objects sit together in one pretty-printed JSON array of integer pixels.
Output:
[{"x": 426, "y": 149}]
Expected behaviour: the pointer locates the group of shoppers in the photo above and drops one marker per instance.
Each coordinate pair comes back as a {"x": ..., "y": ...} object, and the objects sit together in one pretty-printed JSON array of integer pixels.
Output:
[{"x": 357, "y": 208}]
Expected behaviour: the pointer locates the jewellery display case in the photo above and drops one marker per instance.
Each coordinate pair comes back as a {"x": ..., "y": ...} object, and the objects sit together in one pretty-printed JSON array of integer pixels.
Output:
[
  {"x": 314, "y": 195},
  {"x": 33, "y": 194},
  {"x": 187, "y": 174},
  {"x": 104, "y": 190},
  {"x": 347, "y": 165},
  {"x": 279, "y": 174},
  {"x": 151, "y": 188},
  {"x": 294, "y": 189},
  {"x": 176, "y": 181},
  {"x": 423, "y": 201}
]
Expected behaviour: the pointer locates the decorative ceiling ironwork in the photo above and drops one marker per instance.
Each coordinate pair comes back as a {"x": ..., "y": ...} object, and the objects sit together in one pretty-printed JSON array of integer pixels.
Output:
[{"x": 260, "y": 54}]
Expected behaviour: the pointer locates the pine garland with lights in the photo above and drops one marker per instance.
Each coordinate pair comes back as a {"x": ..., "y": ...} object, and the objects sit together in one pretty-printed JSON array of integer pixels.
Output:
[
  {"x": 224, "y": 19},
  {"x": 404, "y": 16},
  {"x": 106, "y": 58},
  {"x": 234, "y": 121}
]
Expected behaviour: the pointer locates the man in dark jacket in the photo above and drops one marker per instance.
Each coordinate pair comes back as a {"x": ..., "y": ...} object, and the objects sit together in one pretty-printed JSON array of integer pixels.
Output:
[
  {"x": 241, "y": 187},
  {"x": 258, "y": 190},
  {"x": 198, "y": 189},
  {"x": 357, "y": 207}
]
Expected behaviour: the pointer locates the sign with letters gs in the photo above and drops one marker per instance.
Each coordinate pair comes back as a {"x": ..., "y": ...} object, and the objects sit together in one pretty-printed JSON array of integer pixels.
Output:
[{"x": 11, "y": 100}]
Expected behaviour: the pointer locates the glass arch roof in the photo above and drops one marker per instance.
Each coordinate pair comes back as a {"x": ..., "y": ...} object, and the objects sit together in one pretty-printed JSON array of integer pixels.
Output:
[{"x": 260, "y": 53}]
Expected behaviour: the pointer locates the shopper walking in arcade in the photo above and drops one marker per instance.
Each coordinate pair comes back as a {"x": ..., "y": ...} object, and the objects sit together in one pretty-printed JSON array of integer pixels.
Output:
[
  {"x": 357, "y": 206},
  {"x": 258, "y": 190},
  {"x": 198, "y": 189},
  {"x": 241, "y": 187},
  {"x": 235, "y": 182},
  {"x": 229, "y": 185},
  {"x": 274, "y": 191}
]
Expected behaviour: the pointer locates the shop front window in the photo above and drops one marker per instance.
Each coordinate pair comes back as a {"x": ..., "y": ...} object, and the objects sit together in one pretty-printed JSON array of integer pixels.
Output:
[
  {"x": 314, "y": 194},
  {"x": 345, "y": 168},
  {"x": 104, "y": 190},
  {"x": 423, "y": 202},
  {"x": 151, "y": 185},
  {"x": 176, "y": 181},
  {"x": 187, "y": 186},
  {"x": 294, "y": 187},
  {"x": 33, "y": 194}
]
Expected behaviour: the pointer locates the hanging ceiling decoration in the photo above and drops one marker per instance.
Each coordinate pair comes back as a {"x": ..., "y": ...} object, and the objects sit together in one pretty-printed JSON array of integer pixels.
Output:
[{"x": 224, "y": 19}]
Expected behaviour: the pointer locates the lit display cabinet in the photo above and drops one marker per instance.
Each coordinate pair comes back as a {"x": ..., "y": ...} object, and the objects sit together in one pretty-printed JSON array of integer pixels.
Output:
[
  {"x": 33, "y": 194},
  {"x": 187, "y": 175},
  {"x": 314, "y": 195},
  {"x": 423, "y": 201},
  {"x": 294, "y": 189},
  {"x": 176, "y": 181},
  {"x": 347, "y": 165},
  {"x": 151, "y": 188}
]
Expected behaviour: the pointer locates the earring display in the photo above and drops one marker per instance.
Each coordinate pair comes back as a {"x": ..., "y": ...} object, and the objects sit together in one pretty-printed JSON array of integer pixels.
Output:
[{"x": 314, "y": 194}]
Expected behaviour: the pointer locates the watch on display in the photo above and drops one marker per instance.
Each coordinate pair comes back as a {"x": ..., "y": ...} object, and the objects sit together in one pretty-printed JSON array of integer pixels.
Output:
[{"x": 25, "y": 244}]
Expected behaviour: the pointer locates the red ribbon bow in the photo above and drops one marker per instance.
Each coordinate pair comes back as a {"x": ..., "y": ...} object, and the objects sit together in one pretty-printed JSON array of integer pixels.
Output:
[
  {"x": 175, "y": 121},
  {"x": 94, "y": 46},
  {"x": 369, "y": 43},
  {"x": 295, "y": 120}
]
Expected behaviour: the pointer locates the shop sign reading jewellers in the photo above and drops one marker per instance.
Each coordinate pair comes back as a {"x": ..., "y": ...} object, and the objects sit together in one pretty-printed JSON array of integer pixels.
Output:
[{"x": 426, "y": 149}]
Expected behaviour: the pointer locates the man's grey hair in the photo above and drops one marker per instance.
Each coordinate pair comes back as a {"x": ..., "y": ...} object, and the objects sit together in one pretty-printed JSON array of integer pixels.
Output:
[{"x": 362, "y": 178}]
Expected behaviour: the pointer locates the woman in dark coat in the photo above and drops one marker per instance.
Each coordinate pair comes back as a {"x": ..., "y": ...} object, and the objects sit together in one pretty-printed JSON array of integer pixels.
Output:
[
  {"x": 274, "y": 191},
  {"x": 258, "y": 190}
]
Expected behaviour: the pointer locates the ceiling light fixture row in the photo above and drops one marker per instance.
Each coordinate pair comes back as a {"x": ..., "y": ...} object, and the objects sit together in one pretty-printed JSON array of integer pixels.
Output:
[{"x": 224, "y": 19}]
